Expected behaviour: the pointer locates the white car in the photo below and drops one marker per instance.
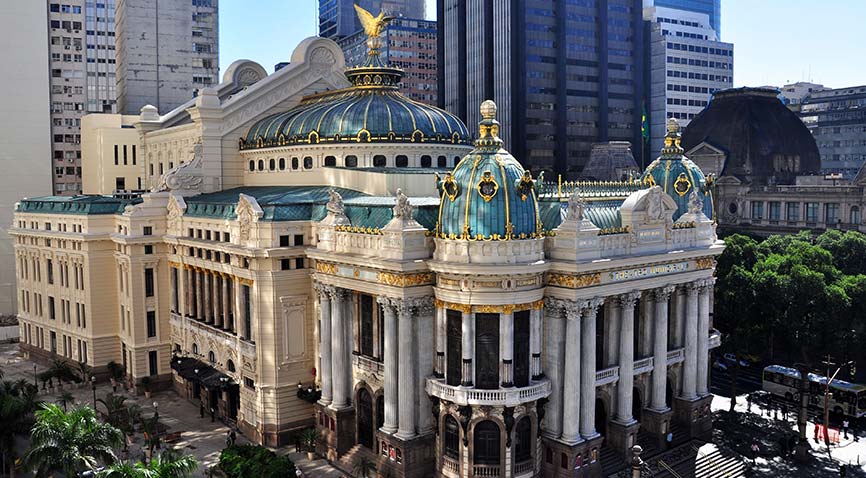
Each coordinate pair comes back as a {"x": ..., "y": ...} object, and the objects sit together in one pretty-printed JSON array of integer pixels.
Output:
[
  {"x": 731, "y": 358},
  {"x": 718, "y": 365}
]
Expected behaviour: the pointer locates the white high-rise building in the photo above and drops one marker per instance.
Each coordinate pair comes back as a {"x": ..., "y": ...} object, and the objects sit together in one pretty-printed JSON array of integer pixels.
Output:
[{"x": 688, "y": 64}]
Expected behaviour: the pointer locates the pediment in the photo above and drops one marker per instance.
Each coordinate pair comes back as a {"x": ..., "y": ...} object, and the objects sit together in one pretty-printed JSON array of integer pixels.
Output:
[{"x": 705, "y": 149}]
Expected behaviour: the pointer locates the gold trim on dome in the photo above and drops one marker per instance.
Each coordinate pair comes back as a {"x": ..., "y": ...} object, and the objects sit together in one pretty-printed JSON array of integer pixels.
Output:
[
  {"x": 705, "y": 262},
  {"x": 326, "y": 268},
  {"x": 404, "y": 280},
  {"x": 649, "y": 180},
  {"x": 450, "y": 187},
  {"x": 682, "y": 184},
  {"x": 484, "y": 184},
  {"x": 572, "y": 281}
]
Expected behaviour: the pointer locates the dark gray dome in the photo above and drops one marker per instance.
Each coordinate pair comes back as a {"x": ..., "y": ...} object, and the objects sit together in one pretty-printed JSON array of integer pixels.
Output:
[{"x": 760, "y": 136}]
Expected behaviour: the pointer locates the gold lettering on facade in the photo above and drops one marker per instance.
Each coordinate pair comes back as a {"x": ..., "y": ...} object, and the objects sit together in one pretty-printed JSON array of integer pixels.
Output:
[
  {"x": 326, "y": 268},
  {"x": 404, "y": 280}
]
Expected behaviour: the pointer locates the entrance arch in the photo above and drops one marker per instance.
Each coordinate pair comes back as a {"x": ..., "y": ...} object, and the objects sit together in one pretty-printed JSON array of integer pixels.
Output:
[
  {"x": 365, "y": 418},
  {"x": 600, "y": 417}
]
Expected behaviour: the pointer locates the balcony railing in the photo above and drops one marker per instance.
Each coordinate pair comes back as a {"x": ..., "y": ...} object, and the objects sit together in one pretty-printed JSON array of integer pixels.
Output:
[
  {"x": 643, "y": 365},
  {"x": 608, "y": 375},
  {"x": 485, "y": 470},
  {"x": 524, "y": 468},
  {"x": 369, "y": 365},
  {"x": 450, "y": 466},
  {"x": 472, "y": 396},
  {"x": 676, "y": 356}
]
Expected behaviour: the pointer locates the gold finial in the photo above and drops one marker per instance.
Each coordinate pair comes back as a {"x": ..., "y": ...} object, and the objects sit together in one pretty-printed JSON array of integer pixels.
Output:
[
  {"x": 673, "y": 125},
  {"x": 672, "y": 148},
  {"x": 373, "y": 27},
  {"x": 488, "y": 110}
]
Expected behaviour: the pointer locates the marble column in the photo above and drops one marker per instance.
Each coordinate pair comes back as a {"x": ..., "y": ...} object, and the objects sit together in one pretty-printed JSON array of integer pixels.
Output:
[
  {"x": 703, "y": 336},
  {"x": 679, "y": 317},
  {"x": 325, "y": 293},
  {"x": 208, "y": 297},
  {"x": 224, "y": 310},
  {"x": 424, "y": 329},
  {"x": 691, "y": 349},
  {"x": 199, "y": 299},
  {"x": 506, "y": 349},
  {"x": 535, "y": 343},
  {"x": 174, "y": 281},
  {"x": 340, "y": 369},
  {"x": 215, "y": 300},
  {"x": 391, "y": 365},
  {"x": 625, "y": 386},
  {"x": 587, "y": 369},
  {"x": 468, "y": 346},
  {"x": 645, "y": 325},
  {"x": 232, "y": 305},
  {"x": 612, "y": 324},
  {"x": 188, "y": 291},
  {"x": 660, "y": 348},
  {"x": 554, "y": 321},
  {"x": 440, "y": 342},
  {"x": 405, "y": 375},
  {"x": 572, "y": 373}
]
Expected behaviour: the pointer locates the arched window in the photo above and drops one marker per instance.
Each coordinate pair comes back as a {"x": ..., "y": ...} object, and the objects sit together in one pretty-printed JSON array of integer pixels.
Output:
[
  {"x": 330, "y": 161},
  {"x": 195, "y": 349},
  {"x": 261, "y": 165},
  {"x": 230, "y": 365},
  {"x": 294, "y": 163},
  {"x": 523, "y": 440},
  {"x": 452, "y": 438},
  {"x": 855, "y": 215},
  {"x": 442, "y": 162},
  {"x": 272, "y": 165},
  {"x": 351, "y": 161},
  {"x": 456, "y": 160},
  {"x": 379, "y": 161},
  {"x": 282, "y": 164},
  {"x": 308, "y": 162},
  {"x": 252, "y": 165},
  {"x": 211, "y": 357},
  {"x": 486, "y": 443},
  {"x": 401, "y": 161},
  {"x": 426, "y": 161}
]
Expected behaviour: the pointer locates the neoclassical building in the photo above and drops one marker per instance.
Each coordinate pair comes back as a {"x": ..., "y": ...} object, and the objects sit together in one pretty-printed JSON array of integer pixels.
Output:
[{"x": 321, "y": 250}]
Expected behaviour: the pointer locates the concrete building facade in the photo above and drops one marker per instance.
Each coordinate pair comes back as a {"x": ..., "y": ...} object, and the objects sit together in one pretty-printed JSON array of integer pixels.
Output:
[
  {"x": 409, "y": 44},
  {"x": 711, "y": 8},
  {"x": 837, "y": 119},
  {"x": 82, "y": 65},
  {"x": 337, "y": 18},
  {"x": 688, "y": 64},
  {"x": 793, "y": 94},
  {"x": 165, "y": 51},
  {"x": 25, "y": 126},
  {"x": 574, "y": 74}
]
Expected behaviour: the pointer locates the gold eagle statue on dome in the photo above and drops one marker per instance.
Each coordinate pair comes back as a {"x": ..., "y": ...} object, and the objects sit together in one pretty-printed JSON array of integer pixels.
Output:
[{"x": 373, "y": 26}]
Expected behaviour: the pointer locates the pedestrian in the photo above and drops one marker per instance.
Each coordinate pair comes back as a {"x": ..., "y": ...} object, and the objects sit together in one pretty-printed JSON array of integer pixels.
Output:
[
  {"x": 785, "y": 411},
  {"x": 755, "y": 450},
  {"x": 817, "y": 428},
  {"x": 233, "y": 436},
  {"x": 792, "y": 443},
  {"x": 749, "y": 403},
  {"x": 845, "y": 428},
  {"x": 297, "y": 443},
  {"x": 843, "y": 470},
  {"x": 201, "y": 410},
  {"x": 212, "y": 415},
  {"x": 228, "y": 439},
  {"x": 669, "y": 438}
]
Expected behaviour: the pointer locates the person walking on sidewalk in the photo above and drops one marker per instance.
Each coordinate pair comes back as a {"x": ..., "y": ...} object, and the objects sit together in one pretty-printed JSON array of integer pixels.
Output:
[{"x": 845, "y": 428}]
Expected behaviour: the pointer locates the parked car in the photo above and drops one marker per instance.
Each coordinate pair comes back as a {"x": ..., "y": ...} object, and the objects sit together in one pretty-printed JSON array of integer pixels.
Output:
[
  {"x": 719, "y": 365},
  {"x": 731, "y": 358}
]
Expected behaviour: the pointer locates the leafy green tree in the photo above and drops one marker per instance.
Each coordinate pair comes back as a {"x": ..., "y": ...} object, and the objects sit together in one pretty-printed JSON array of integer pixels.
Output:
[
  {"x": 241, "y": 461},
  {"x": 71, "y": 442},
  {"x": 168, "y": 464},
  {"x": 17, "y": 403}
]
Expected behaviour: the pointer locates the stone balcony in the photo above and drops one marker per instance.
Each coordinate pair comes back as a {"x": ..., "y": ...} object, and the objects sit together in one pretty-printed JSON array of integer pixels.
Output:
[
  {"x": 224, "y": 337},
  {"x": 508, "y": 397}
]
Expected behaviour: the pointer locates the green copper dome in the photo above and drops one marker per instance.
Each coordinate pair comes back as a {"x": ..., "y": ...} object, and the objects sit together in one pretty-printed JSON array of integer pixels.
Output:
[
  {"x": 371, "y": 110},
  {"x": 488, "y": 195},
  {"x": 677, "y": 175}
]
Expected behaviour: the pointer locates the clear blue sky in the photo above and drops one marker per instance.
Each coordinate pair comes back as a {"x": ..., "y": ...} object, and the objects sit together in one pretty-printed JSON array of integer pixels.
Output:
[{"x": 775, "y": 41}]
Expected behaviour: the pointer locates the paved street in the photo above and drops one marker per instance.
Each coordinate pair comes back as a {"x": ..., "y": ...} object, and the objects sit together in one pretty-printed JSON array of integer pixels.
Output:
[{"x": 199, "y": 436}]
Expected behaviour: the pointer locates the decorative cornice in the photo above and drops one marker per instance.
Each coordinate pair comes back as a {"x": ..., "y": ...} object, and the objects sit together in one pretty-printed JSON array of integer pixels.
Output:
[
  {"x": 489, "y": 308},
  {"x": 326, "y": 268},
  {"x": 705, "y": 262},
  {"x": 404, "y": 280},
  {"x": 573, "y": 281}
]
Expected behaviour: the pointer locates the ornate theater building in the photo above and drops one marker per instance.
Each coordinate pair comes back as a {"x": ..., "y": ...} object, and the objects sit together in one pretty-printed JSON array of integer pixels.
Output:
[{"x": 320, "y": 250}]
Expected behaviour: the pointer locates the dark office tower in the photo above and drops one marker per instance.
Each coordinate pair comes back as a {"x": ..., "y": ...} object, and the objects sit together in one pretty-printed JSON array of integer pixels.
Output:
[
  {"x": 564, "y": 73},
  {"x": 337, "y": 18},
  {"x": 713, "y": 8}
]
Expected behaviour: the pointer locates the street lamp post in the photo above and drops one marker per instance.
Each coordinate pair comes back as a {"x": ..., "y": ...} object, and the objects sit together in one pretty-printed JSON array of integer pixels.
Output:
[
  {"x": 827, "y": 396},
  {"x": 35, "y": 377},
  {"x": 801, "y": 451},
  {"x": 156, "y": 420},
  {"x": 93, "y": 387}
]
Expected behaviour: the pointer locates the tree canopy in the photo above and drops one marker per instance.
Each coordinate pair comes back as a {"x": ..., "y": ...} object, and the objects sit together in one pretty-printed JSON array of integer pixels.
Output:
[{"x": 793, "y": 297}]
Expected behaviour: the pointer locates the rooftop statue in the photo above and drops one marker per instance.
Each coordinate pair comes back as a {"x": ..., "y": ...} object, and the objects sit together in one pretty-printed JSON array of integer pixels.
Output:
[
  {"x": 373, "y": 26},
  {"x": 576, "y": 207},
  {"x": 402, "y": 208},
  {"x": 335, "y": 203}
]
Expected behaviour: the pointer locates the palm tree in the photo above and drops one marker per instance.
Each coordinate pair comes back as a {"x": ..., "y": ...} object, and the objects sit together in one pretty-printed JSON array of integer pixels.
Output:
[
  {"x": 70, "y": 442},
  {"x": 16, "y": 416},
  {"x": 168, "y": 464},
  {"x": 65, "y": 399}
]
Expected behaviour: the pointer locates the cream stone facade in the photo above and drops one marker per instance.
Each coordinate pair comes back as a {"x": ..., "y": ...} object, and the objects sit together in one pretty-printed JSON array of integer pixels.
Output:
[
  {"x": 317, "y": 249},
  {"x": 109, "y": 150}
]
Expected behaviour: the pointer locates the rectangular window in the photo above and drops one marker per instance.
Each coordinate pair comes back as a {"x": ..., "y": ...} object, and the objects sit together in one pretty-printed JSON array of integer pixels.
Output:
[
  {"x": 49, "y": 268},
  {"x": 116, "y": 162},
  {"x": 299, "y": 263},
  {"x": 454, "y": 339},
  {"x": 757, "y": 210},
  {"x": 775, "y": 210},
  {"x": 285, "y": 264},
  {"x": 299, "y": 239},
  {"x": 148, "y": 282},
  {"x": 147, "y": 230},
  {"x": 284, "y": 241},
  {"x": 152, "y": 363},
  {"x": 148, "y": 249},
  {"x": 831, "y": 213},
  {"x": 51, "y": 310},
  {"x": 811, "y": 212},
  {"x": 151, "y": 323},
  {"x": 366, "y": 324},
  {"x": 793, "y": 213},
  {"x": 249, "y": 383}
]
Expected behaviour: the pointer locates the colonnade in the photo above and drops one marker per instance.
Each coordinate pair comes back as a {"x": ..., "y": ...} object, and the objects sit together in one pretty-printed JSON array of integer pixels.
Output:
[
  {"x": 215, "y": 298},
  {"x": 404, "y": 362},
  {"x": 571, "y": 355}
]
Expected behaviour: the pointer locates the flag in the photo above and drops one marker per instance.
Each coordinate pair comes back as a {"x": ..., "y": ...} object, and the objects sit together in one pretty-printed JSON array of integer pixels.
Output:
[{"x": 644, "y": 124}]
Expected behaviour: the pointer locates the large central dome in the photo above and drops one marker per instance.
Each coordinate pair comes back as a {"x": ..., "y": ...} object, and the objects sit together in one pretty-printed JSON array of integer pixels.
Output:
[
  {"x": 371, "y": 110},
  {"x": 488, "y": 195}
]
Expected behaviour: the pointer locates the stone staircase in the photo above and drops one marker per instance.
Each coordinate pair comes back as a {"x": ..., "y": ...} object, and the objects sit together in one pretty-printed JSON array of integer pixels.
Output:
[
  {"x": 346, "y": 463},
  {"x": 708, "y": 462}
]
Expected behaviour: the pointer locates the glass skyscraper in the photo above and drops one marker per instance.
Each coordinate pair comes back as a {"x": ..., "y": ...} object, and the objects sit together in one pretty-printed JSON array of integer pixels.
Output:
[
  {"x": 713, "y": 8},
  {"x": 337, "y": 18},
  {"x": 564, "y": 73}
]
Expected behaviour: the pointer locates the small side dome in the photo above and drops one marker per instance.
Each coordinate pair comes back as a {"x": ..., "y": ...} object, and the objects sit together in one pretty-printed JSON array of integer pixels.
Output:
[
  {"x": 677, "y": 175},
  {"x": 488, "y": 195}
]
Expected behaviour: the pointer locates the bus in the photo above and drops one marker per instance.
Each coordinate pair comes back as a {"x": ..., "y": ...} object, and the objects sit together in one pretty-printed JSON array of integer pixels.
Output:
[{"x": 847, "y": 399}]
